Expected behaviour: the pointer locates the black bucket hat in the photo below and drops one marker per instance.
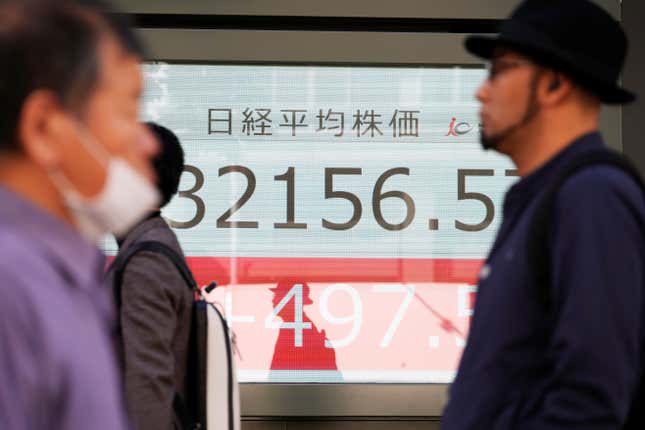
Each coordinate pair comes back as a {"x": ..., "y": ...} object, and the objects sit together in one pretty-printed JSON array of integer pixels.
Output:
[{"x": 575, "y": 37}]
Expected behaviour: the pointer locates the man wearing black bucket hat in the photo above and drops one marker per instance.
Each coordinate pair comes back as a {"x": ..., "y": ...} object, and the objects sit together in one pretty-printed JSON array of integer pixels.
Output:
[{"x": 556, "y": 340}]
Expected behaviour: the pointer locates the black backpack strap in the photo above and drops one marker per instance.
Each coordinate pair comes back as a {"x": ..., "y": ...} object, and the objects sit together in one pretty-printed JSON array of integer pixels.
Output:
[
  {"x": 181, "y": 411},
  {"x": 541, "y": 223},
  {"x": 179, "y": 405}
]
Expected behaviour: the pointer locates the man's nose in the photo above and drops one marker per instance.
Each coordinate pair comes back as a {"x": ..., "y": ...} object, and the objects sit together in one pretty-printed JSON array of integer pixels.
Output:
[{"x": 482, "y": 92}]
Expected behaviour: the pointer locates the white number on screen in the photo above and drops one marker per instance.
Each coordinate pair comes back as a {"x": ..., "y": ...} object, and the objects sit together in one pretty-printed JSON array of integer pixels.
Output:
[
  {"x": 408, "y": 290},
  {"x": 356, "y": 317},
  {"x": 297, "y": 325}
]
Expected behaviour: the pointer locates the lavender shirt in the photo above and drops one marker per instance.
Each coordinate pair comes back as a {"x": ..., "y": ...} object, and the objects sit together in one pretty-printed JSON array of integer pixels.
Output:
[{"x": 57, "y": 369}]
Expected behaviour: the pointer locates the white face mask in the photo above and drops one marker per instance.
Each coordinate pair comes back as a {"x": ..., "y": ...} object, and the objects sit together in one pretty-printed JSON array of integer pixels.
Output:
[{"x": 125, "y": 199}]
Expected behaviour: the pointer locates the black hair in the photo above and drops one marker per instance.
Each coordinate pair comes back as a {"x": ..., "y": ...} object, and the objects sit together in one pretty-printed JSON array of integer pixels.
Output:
[
  {"x": 52, "y": 45},
  {"x": 168, "y": 163}
]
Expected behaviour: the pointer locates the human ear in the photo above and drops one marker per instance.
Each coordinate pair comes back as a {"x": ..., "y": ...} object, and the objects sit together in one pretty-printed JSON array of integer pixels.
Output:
[{"x": 39, "y": 128}]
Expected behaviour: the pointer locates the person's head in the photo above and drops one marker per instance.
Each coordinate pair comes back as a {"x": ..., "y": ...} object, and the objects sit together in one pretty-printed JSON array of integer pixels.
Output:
[
  {"x": 70, "y": 86},
  {"x": 551, "y": 67},
  {"x": 168, "y": 163},
  {"x": 520, "y": 97}
]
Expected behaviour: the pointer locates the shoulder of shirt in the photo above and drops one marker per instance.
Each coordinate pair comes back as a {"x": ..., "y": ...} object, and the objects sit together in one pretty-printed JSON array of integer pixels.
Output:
[
  {"x": 22, "y": 256},
  {"x": 157, "y": 230},
  {"x": 155, "y": 266},
  {"x": 25, "y": 274},
  {"x": 595, "y": 186}
]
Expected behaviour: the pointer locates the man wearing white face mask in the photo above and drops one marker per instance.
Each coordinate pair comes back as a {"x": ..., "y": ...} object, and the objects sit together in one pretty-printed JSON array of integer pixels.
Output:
[
  {"x": 74, "y": 164},
  {"x": 124, "y": 199}
]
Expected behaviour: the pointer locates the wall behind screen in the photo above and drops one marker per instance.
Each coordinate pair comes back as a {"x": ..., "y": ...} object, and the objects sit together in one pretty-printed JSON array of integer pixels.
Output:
[
  {"x": 633, "y": 13},
  {"x": 437, "y": 9},
  {"x": 340, "y": 47}
]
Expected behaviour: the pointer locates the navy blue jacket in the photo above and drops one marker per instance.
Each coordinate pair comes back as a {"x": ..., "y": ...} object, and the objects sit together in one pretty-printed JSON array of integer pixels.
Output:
[{"x": 520, "y": 371}]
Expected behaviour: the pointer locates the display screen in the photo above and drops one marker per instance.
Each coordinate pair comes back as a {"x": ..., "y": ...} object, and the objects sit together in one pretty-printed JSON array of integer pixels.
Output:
[{"x": 344, "y": 212}]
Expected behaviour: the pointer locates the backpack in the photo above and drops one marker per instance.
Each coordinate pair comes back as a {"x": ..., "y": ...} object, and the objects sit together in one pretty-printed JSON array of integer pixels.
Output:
[
  {"x": 208, "y": 406},
  {"x": 539, "y": 252}
]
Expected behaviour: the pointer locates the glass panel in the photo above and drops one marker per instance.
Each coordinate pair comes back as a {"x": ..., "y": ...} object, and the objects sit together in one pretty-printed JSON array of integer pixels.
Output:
[{"x": 344, "y": 212}]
